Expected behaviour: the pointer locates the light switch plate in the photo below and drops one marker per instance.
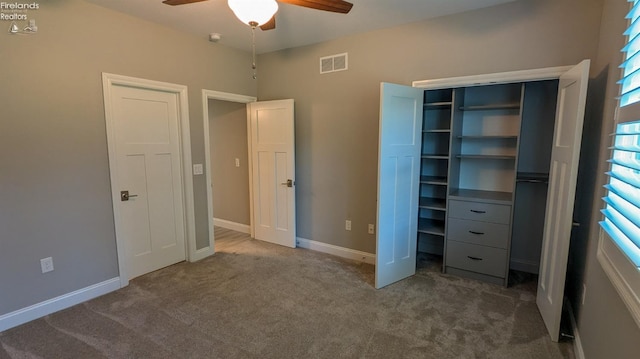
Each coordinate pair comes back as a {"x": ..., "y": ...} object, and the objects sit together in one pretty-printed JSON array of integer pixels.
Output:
[{"x": 198, "y": 169}]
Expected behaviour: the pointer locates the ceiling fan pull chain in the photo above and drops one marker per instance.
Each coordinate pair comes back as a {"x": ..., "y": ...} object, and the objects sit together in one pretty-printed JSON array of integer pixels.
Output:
[{"x": 253, "y": 51}]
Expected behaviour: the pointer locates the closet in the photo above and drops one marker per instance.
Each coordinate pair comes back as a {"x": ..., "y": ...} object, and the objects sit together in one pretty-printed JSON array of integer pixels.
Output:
[{"x": 482, "y": 171}]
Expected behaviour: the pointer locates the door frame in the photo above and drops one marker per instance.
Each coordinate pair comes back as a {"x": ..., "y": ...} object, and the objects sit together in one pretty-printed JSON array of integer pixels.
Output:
[
  {"x": 184, "y": 136},
  {"x": 547, "y": 73},
  {"x": 230, "y": 97}
]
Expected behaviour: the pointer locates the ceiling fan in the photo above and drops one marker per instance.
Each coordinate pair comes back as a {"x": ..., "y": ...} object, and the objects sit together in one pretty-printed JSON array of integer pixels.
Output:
[
  {"x": 262, "y": 13},
  {"x": 338, "y": 6}
]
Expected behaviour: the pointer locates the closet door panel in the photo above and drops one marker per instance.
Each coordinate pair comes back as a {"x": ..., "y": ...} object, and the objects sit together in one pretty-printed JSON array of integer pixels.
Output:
[
  {"x": 398, "y": 182},
  {"x": 572, "y": 96}
]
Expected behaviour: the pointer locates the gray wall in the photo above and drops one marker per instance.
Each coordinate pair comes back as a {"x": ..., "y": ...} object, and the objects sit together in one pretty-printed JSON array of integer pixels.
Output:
[
  {"x": 605, "y": 326},
  {"x": 228, "y": 141},
  {"x": 54, "y": 176},
  {"x": 337, "y": 113},
  {"x": 337, "y": 124}
]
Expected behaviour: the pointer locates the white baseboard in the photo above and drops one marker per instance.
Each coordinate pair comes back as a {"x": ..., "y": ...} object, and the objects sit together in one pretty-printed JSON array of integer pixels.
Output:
[
  {"x": 234, "y": 226},
  {"x": 524, "y": 265},
  {"x": 21, "y": 316},
  {"x": 577, "y": 342},
  {"x": 336, "y": 251}
]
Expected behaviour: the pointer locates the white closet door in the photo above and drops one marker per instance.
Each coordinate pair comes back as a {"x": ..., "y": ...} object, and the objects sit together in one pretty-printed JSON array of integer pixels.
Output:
[
  {"x": 148, "y": 167},
  {"x": 572, "y": 94},
  {"x": 398, "y": 182}
]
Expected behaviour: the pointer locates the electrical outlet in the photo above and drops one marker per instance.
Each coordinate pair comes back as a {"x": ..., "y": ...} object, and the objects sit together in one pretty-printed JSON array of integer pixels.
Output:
[
  {"x": 237, "y": 162},
  {"x": 198, "y": 169},
  {"x": 46, "y": 264},
  {"x": 347, "y": 225},
  {"x": 372, "y": 229}
]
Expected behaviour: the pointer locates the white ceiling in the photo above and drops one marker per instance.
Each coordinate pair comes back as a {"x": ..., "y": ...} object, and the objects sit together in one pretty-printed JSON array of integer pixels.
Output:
[{"x": 296, "y": 26}]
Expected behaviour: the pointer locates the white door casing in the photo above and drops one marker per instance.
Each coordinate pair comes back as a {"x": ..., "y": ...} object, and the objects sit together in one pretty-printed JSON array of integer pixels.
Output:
[
  {"x": 572, "y": 93},
  {"x": 398, "y": 182},
  {"x": 272, "y": 149},
  {"x": 146, "y": 121}
]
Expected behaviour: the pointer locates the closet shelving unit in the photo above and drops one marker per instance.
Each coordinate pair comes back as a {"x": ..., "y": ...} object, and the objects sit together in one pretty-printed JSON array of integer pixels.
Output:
[
  {"x": 484, "y": 174},
  {"x": 484, "y": 146},
  {"x": 434, "y": 172}
]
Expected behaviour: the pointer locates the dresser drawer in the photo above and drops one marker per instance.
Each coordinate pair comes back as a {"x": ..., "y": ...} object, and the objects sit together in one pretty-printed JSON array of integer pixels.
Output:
[
  {"x": 476, "y": 232},
  {"x": 478, "y": 211},
  {"x": 476, "y": 258}
]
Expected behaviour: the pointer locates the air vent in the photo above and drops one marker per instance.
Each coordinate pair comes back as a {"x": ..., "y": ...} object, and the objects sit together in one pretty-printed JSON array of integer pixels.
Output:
[{"x": 333, "y": 63}]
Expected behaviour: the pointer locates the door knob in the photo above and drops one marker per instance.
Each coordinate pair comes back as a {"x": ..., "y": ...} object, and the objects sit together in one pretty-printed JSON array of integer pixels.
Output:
[
  {"x": 289, "y": 183},
  {"x": 124, "y": 196}
]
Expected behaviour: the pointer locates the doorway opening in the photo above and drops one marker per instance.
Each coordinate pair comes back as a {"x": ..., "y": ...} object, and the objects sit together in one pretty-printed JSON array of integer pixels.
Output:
[{"x": 228, "y": 169}]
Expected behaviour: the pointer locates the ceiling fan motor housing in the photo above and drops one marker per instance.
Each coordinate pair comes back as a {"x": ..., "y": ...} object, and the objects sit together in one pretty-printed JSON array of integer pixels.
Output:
[{"x": 254, "y": 12}]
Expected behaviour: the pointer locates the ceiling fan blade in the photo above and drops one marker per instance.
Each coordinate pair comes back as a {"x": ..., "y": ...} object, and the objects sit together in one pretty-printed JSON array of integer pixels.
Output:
[
  {"x": 339, "y": 6},
  {"x": 180, "y": 2},
  {"x": 269, "y": 25}
]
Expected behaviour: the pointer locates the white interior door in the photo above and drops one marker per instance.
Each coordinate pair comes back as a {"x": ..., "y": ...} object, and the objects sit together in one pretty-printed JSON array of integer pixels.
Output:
[
  {"x": 147, "y": 147},
  {"x": 572, "y": 94},
  {"x": 273, "y": 171},
  {"x": 398, "y": 182}
]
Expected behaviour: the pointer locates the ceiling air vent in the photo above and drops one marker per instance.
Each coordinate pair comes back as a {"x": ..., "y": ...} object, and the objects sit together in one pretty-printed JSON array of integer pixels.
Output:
[{"x": 333, "y": 63}]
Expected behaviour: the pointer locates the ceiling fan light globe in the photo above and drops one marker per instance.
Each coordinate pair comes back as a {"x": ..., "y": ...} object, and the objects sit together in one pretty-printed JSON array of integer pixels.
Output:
[{"x": 254, "y": 11}]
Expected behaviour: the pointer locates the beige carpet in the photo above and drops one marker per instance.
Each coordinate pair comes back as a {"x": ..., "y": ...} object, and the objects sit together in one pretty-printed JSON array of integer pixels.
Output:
[{"x": 256, "y": 300}]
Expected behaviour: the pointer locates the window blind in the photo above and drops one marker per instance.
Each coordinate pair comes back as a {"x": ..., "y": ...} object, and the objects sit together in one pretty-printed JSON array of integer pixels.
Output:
[
  {"x": 622, "y": 210},
  {"x": 630, "y": 82},
  {"x": 622, "y": 202}
]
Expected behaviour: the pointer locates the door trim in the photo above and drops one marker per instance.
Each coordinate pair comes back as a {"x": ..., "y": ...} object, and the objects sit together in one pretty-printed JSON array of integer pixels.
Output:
[
  {"x": 231, "y": 97},
  {"x": 546, "y": 73},
  {"x": 110, "y": 80}
]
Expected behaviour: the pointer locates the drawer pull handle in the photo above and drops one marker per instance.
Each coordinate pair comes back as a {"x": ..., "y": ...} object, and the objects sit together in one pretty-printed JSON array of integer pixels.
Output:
[
  {"x": 476, "y": 211},
  {"x": 474, "y": 258},
  {"x": 478, "y": 233}
]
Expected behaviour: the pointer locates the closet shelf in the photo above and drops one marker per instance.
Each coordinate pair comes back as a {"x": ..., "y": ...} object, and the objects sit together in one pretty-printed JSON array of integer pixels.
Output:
[
  {"x": 437, "y": 131},
  {"x": 437, "y": 180},
  {"x": 474, "y": 195},
  {"x": 506, "y": 106},
  {"x": 436, "y": 157},
  {"x": 438, "y": 105},
  {"x": 438, "y": 204},
  {"x": 487, "y": 157},
  {"x": 431, "y": 226},
  {"x": 489, "y": 137},
  {"x": 532, "y": 177}
]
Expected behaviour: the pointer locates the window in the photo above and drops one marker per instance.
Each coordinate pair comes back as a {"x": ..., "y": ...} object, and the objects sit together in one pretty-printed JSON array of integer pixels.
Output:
[{"x": 619, "y": 247}]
